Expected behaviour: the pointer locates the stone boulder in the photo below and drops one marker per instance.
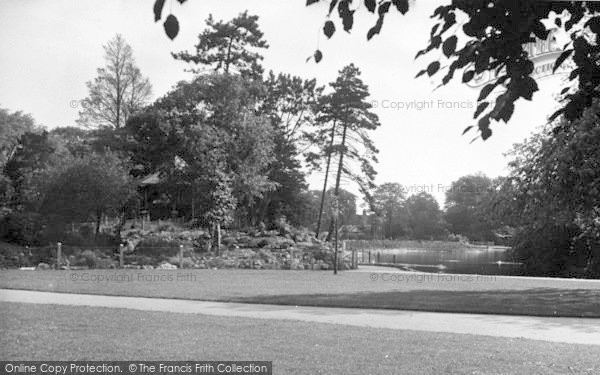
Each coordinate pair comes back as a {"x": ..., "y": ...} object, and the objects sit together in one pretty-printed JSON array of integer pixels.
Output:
[
  {"x": 166, "y": 266},
  {"x": 42, "y": 267}
]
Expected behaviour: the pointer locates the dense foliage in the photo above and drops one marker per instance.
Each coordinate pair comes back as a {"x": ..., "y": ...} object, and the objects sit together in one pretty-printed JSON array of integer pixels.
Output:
[{"x": 551, "y": 197}]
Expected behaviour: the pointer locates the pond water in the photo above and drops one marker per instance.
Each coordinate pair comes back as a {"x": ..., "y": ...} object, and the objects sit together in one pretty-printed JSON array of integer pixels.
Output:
[{"x": 481, "y": 260}]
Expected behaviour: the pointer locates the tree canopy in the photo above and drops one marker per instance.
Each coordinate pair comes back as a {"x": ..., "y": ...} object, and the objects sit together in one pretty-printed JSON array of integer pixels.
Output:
[
  {"x": 78, "y": 188},
  {"x": 228, "y": 46},
  {"x": 118, "y": 90}
]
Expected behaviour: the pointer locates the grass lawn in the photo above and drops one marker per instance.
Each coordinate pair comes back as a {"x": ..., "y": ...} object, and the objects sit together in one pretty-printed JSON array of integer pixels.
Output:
[
  {"x": 43, "y": 332},
  {"x": 452, "y": 293}
]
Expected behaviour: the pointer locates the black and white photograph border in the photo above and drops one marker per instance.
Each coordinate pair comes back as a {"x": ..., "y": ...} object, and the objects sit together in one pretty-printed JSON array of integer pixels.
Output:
[{"x": 300, "y": 187}]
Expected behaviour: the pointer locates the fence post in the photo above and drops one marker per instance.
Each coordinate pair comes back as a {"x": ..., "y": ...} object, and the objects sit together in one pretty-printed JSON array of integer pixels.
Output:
[
  {"x": 378, "y": 257},
  {"x": 58, "y": 253},
  {"x": 121, "y": 260},
  {"x": 180, "y": 256},
  {"x": 394, "y": 258},
  {"x": 369, "y": 256}
]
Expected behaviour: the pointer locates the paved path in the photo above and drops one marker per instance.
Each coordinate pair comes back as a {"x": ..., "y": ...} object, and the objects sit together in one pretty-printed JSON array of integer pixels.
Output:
[{"x": 569, "y": 330}]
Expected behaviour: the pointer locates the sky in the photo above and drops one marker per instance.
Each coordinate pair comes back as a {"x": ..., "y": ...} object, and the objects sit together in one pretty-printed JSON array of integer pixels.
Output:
[{"x": 51, "y": 48}]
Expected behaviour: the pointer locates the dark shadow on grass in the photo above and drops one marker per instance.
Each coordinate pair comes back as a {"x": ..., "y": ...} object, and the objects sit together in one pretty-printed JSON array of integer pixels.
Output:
[{"x": 547, "y": 302}]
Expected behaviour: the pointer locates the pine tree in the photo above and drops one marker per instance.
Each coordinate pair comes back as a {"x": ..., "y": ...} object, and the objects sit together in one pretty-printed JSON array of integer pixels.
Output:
[{"x": 344, "y": 120}]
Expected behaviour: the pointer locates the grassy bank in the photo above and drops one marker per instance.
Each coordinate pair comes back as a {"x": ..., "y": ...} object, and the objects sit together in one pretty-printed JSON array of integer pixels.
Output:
[
  {"x": 431, "y": 292},
  {"x": 40, "y": 332}
]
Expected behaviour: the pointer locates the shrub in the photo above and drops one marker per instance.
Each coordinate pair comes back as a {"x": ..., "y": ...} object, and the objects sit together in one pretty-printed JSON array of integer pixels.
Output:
[
  {"x": 156, "y": 247},
  {"x": 23, "y": 228},
  {"x": 140, "y": 260},
  {"x": 105, "y": 263},
  {"x": 89, "y": 258},
  {"x": 86, "y": 231},
  {"x": 555, "y": 250}
]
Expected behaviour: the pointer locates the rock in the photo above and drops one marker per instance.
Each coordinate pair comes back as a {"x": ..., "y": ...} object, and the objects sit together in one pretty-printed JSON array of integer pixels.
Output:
[
  {"x": 166, "y": 266},
  {"x": 43, "y": 266}
]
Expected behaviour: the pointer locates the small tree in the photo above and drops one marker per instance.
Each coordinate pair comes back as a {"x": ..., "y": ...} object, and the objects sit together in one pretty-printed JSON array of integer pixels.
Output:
[
  {"x": 221, "y": 203},
  {"x": 118, "y": 91},
  {"x": 12, "y": 126},
  {"x": 91, "y": 186},
  {"x": 389, "y": 203},
  {"x": 425, "y": 217},
  {"x": 464, "y": 200}
]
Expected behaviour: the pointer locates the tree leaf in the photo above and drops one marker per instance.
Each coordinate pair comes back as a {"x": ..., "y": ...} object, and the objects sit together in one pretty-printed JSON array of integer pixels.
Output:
[
  {"x": 556, "y": 114},
  {"x": 318, "y": 56},
  {"x": 449, "y": 20},
  {"x": 371, "y": 5},
  {"x": 421, "y": 52},
  {"x": 467, "y": 129},
  {"x": 485, "y": 91},
  {"x": 468, "y": 76},
  {"x": 311, "y": 2},
  {"x": 506, "y": 112},
  {"x": 449, "y": 45},
  {"x": 375, "y": 29},
  {"x": 329, "y": 29},
  {"x": 484, "y": 126},
  {"x": 433, "y": 68},
  {"x": 480, "y": 108},
  {"x": 383, "y": 8},
  {"x": 158, "y": 7},
  {"x": 401, "y": 5},
  {"x": 346, "y": 14},
  {"x": 332, "y": 6},
  {"x": 171, "y": 26},
  {"x": 527, "y": 86},
  {"x": 574, "y": 74},
  {"x": 594, "y": 24},
  {"x": 421, "y": 73},
  {"x": 540, "y": 30},
  {"x": 486, "y": 133},
  {"x": 563, "y": 56}
]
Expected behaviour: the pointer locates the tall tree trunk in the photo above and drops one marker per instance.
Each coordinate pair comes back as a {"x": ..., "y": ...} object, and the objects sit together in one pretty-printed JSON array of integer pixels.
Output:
[
  {"x": 98, "y": 221},
  {"x": 218, "y": 238},
  {"x": 228, "y": 58},
  {"x": 338, "y": 178},
  {"x": 325, "y": 183}
]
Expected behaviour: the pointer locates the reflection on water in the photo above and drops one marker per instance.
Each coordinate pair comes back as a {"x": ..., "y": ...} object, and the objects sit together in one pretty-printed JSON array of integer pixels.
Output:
[{"x": 484, "y": 260}]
